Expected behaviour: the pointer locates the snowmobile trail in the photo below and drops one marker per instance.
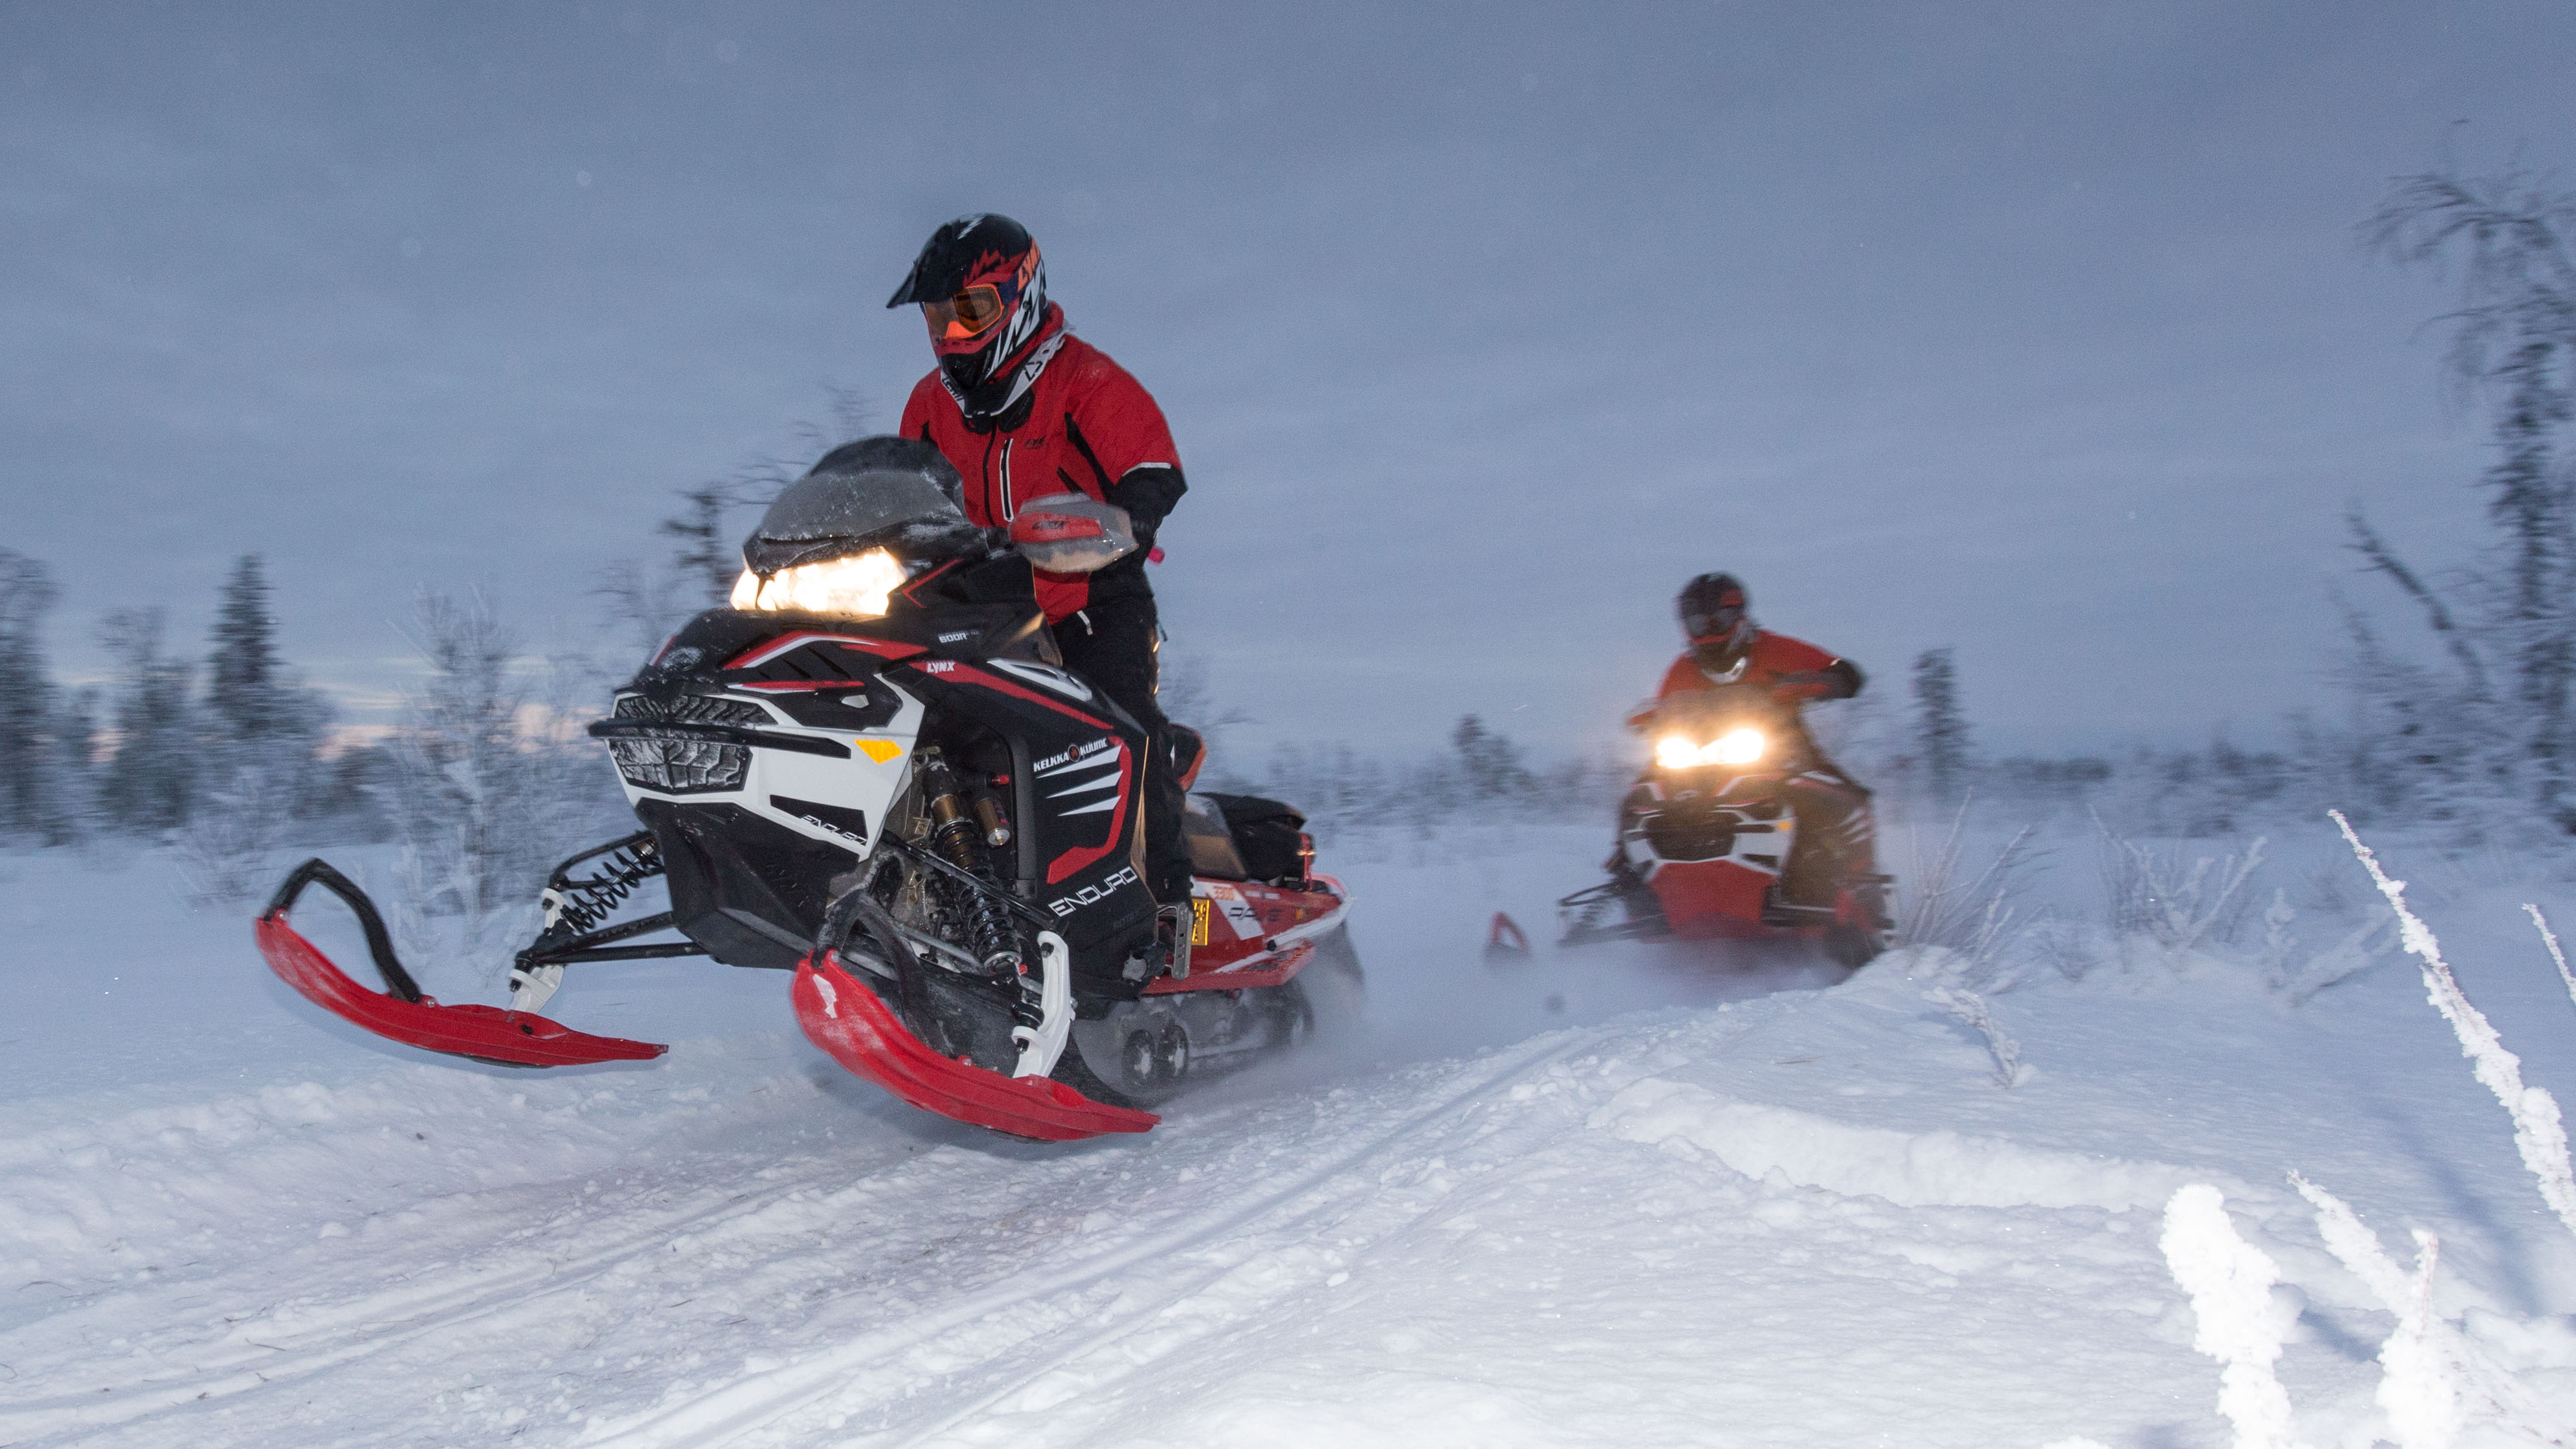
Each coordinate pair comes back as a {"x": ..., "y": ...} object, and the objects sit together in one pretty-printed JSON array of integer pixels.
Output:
[
  {"x": 1141, "y": 1340},
  {"x": 888, "y": 1274},
  {"x": 247, "y": 1357},
  {"x": 767, "y": 1398}
]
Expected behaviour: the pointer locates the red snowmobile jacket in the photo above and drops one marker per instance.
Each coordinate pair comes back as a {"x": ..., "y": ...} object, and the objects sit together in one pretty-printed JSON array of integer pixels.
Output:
[
  {"x": 1796, "y": 670},
  {"x": 1084, "y": 426}
]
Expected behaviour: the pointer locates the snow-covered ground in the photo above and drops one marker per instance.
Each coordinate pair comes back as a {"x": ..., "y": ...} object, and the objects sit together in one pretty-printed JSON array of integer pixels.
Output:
[{"x": 1632, "y": 1196}]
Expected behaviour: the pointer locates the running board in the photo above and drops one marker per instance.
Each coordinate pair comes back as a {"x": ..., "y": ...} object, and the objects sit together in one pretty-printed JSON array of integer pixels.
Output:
[{"x": 1780, "y": 913}]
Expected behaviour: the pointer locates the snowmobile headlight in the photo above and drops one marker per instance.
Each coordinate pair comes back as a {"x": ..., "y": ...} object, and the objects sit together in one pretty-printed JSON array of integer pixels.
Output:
[
  {"x": 1735, "y": 747},
  {"x": 855, "y": 586}
]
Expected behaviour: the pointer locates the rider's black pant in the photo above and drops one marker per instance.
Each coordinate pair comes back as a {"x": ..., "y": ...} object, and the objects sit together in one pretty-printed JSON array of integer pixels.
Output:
[
  {"x": 1113, "y": 643},
  {"x": 1836, "y": 836}
]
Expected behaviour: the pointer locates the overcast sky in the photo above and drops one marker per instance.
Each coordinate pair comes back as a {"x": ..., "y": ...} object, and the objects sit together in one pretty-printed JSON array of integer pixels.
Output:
[{"x": 2037, "y": 331}]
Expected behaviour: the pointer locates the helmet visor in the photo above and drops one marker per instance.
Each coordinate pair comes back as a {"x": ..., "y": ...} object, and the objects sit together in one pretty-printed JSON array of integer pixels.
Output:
[
  {"x": 1717, "y": 623},
  {"x": 970, "y": 313}
]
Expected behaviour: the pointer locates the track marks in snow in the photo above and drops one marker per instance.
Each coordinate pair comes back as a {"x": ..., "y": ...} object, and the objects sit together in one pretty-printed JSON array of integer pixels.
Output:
[
  {"x": 532, "y": 1247},
  {"x": 1191, "y": 1278},
  {"x": 295, "y": 1340}
]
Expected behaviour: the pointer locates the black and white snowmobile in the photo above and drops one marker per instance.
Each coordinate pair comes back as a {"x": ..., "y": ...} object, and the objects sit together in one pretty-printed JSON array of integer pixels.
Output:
[{"x": 873, "y": 770}]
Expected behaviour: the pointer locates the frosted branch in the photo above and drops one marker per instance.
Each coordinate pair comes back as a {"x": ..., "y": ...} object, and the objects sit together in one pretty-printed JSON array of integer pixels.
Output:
[
  {"x": 2538, "y": 1133},
  {"x": 2555, "y": 954},
  {"x": 1968, "y": 1007},
  {"x": 2230, "y": 1283}
]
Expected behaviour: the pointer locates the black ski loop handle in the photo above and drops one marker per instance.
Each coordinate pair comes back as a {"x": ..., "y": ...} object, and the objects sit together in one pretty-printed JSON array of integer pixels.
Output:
[{"x": 380, "y": 944}]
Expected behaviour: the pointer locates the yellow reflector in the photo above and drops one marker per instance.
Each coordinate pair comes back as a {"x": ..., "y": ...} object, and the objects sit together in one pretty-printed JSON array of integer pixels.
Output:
[{"x": 878, "y": 750}]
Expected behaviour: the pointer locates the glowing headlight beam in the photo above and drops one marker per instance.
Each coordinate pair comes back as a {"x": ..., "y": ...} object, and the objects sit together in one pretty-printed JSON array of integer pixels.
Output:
[
  {"x": 1735, "y": 747},
  {"x": 854, "y": 586}
]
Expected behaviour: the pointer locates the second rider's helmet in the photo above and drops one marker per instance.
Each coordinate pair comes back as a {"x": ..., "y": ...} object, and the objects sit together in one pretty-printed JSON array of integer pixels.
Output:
[
  {"x": 982, "y": 289},
  {"x": 1717, "y": 618}
]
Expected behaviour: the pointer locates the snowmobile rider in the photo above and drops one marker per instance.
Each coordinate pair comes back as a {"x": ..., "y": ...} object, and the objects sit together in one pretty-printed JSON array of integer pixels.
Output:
[
  {"x": 1026, "y": 410},
  {"x": 1727, "y": 647}
]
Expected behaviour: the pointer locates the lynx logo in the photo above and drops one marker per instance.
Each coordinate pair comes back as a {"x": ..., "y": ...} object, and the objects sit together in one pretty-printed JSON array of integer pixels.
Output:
[
  {"x": 1092, "y": 895},
  {"x": 939, "y": 666}
]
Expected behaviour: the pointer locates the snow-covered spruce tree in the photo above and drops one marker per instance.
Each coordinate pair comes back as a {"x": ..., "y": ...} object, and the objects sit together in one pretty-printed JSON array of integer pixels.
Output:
[
  {"x": 149, "y": 785},
  {"x": 1940, "y": 729},
  {"x": 257, "y": 766},
  {"x": 36, "y": 803},
  {"x": 2513, "y": 344},
  {"x": 251, "y": 694}
]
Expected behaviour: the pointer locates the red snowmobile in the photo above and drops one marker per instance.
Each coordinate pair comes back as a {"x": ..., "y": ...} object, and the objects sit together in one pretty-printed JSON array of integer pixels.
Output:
[
  {"x": 874, "y": 771},
  {"x": 1706, "y": 835}
]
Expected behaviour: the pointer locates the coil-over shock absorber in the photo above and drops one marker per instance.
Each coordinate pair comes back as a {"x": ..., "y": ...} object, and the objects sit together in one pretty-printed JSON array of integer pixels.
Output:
[{"x": 958, "y": 836}]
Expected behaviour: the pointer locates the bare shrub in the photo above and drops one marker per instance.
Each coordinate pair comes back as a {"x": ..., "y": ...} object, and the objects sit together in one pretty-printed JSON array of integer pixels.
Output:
[
  {"x": 230, "y": 841},
  {"x": 1971, "y": 916},
  {"x": 2179, "y": 902}
]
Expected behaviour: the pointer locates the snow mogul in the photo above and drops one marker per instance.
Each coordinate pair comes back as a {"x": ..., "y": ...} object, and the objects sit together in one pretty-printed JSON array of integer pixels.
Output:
[
  {"x": 1741, "y": 826},
  {"x": 874, "y": 769}
]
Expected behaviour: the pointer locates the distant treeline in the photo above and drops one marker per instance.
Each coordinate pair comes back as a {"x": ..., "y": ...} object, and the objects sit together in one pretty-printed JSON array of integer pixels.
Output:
[{"x": 168, "y": 737}]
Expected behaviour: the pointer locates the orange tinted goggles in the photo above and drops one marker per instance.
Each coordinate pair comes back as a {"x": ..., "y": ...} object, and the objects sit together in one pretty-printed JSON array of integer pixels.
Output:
[{"x": 966, "y": 314}]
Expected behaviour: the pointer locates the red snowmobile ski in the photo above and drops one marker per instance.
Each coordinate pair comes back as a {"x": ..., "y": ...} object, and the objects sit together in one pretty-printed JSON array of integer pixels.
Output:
[
  {"x": 1706, "y": 836},
  {"x": 875, "y": 772}
]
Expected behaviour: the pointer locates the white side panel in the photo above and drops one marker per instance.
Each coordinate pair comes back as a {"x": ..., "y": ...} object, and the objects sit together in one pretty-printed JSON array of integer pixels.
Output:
[{"x": 861, "y": 782}]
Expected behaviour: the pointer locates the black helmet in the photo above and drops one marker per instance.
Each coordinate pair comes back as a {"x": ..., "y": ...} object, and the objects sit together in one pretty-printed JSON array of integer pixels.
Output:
[
  {"x": 1717, "y": 618},
  {"x": 982, "y": 287}
]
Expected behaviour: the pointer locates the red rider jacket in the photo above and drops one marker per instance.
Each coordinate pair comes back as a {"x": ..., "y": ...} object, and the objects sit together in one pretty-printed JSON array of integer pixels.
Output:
[
  {"x": 1084, "y": 426},
  {"x": 1771, "y": 659}
]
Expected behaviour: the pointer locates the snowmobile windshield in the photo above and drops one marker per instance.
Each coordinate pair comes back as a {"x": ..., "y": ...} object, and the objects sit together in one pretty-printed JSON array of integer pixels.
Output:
[{"x": 827, "y": 515}]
